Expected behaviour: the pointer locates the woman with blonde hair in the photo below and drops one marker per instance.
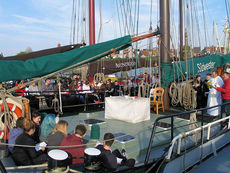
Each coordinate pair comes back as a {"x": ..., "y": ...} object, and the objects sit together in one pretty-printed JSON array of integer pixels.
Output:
[{"x": 58, "y": 134}]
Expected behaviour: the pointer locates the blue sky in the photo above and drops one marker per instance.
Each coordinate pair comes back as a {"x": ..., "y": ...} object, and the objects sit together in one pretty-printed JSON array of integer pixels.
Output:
[{"x": 42, "y": 24}]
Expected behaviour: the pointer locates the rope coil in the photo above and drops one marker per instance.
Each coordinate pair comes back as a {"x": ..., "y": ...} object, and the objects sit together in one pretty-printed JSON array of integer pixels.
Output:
[{"x": 183, "y": 94}]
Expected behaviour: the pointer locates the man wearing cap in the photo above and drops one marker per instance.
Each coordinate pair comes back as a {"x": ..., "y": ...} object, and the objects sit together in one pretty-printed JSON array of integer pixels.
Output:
[{"x": 225, "y": 92}]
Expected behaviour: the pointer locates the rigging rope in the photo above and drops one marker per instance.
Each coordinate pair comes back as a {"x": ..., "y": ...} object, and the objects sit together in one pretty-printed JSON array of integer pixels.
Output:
[
  {"x": 55, "y": 104},
  {"x": 100, "y": 29},
  {"x": 78, "y": 21},
  {"x": 228, "y": 11},
  {"x": 71, "y": 24},
  {"x": 99, "y": 77},
  {"x": 189, "y": 97},
  {"x": 118, "y": 18},
  {"x": 60, "y": 99},
  {"x": 205, "y": 29},
  {"x": 184, "y": 94}
]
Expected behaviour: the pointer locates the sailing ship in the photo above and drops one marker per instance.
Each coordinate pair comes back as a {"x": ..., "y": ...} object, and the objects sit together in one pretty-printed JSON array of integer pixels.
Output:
[{"x": 167, "y": 145}]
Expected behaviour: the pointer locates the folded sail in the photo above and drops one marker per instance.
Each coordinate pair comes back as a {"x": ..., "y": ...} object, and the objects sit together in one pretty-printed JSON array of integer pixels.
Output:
[{"x": 40, "y": 66}]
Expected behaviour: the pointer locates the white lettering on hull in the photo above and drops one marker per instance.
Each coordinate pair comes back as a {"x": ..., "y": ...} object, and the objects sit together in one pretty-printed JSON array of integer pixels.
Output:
[{"x": 203, "y": 67}]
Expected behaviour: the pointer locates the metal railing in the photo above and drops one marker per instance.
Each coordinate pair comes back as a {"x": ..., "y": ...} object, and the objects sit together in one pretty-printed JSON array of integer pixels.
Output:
[
  {"x": 172, "y": 116},
  {"x": 192, "y": 132}
]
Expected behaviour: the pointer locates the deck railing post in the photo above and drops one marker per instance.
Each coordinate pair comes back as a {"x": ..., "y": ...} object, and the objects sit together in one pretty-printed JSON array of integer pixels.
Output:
[
  {"x": 172, "y": 128},
  {"x": 221, "y": 111},
  {"x": 87, "y": 100},
  {"x": 202, "y": 117},
  {"x": 202, "y": 123}
]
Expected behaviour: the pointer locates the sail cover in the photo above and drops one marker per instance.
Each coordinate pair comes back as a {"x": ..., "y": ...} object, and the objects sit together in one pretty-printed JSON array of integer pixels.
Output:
[
  {"x": 40, "y": 53},
  {"x": 171, "y": 71},
  {"x": 40, "y": 66}
]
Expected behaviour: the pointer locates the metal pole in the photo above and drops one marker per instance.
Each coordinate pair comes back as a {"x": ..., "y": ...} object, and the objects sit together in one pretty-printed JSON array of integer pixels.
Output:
[
  {"x": 172, "y": 128},
  {"x": 137, "y": 55},
  {"x": 165, "y": 40},
  {"x": 91, "y": 22},
  {"x": 181, "y": 29}
]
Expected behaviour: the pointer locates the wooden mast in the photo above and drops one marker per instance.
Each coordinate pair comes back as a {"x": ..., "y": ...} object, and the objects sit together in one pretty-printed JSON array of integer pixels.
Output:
[
  {"x": 91, "y": 35},
  {"x": 165, "y": 41},
  {"x": 91, "y": 22}
]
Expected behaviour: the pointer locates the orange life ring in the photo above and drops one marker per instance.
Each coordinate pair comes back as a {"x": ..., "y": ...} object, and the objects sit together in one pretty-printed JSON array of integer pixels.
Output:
[{"x": 16, "y": 110}]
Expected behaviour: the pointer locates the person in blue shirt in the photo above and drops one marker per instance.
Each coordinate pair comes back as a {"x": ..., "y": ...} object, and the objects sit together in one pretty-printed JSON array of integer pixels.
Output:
[{"x": 15, "y": 132}]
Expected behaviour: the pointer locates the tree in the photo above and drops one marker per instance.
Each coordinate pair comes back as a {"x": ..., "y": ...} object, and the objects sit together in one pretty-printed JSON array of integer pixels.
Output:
[
  {"x": 21, "y": 53},
  {"x": 28, "y": 50}
]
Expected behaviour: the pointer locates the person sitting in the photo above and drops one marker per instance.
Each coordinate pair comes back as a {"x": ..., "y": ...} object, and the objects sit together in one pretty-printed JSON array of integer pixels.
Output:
[
  {"x": 57, "y": 135},
  {"x": 33, "y": 89},
  {"x": 109, "y": 89},
  {"x": 146, "y": 78},
  {"x": 47, "y": 126},
  {"x": 79, "y": 89},
  {"x": 77, "y": 152},
  {"x": 67, "y": 82},
  {"x": 110, "y": 159},
  {"x": 86, "y": 87},
  {"x": 28, "y": 155},
  {"x": 15, "y": 132},
  {"x": 73, "y": 86},
  {"x": 76, "y": 77},
  {"x": 57, "y": 85},
  {"x": 155, "y": 80},
  {"x": 47, "y": 86},
  {"x": 21, "y": 91},
  {"x": 117, "y": 89},
  {"x": 36, "y": 118}
]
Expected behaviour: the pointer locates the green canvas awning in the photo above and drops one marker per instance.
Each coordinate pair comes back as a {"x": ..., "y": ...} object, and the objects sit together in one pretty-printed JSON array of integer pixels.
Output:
[
  {"x": 171, "y": 71},
  {"x": 36, "y": 67}
]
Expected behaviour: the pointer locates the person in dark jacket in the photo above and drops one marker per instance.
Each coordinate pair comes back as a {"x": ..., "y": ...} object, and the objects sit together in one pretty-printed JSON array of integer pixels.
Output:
[
  {"x": 36, "y": 118},
  {"x": 15, "y": 132},
  {"x": 28, "y": 155},
  {"x": 206, "y": 88},
  {"x": 108, "y": 159},
  {"x": 109, "y": 88},
  {"x": 58, "y": 134},
  {"x": 198, "y": 86},
  {"x": 117, "y": 89},
  {"x": 111, "y": 159}
]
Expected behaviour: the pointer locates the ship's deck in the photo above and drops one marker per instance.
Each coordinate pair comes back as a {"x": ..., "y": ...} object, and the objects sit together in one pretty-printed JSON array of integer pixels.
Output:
[{"x": 136, "y": 136}]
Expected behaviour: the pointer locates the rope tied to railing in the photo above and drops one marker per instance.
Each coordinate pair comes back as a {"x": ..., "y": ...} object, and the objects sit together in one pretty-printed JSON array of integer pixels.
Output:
[{"x": 55, "y": 104}]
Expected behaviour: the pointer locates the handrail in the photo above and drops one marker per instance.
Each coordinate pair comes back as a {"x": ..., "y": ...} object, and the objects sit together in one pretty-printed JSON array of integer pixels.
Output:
[
  {"x": 192, "y": 132},
  {"x": 172, "y": 116}
]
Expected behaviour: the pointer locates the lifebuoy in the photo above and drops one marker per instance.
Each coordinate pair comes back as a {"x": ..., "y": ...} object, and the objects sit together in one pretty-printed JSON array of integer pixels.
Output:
[{"x": 16, "y": 113}]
